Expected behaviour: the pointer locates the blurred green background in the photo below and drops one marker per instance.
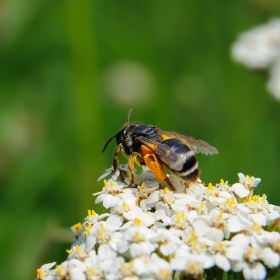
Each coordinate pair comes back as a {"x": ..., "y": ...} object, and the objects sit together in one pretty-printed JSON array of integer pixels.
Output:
[{"x": 69, "y": 73}]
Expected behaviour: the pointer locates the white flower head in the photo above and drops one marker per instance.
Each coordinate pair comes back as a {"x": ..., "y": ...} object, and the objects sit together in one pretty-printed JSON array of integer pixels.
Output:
[
  {"x": 152, "y": 232},
  {"x": 167, "y": 241},
  {"x": 246, "y": 185},
  {"x": 139, "y": 241},
  {"x": 112, "y": 193},
  {"x": 45, "y": 271},
  {"x": 273, "y": 84},
  {"x": 128, "y": 209},
  {"x": 258, "y": 47}
]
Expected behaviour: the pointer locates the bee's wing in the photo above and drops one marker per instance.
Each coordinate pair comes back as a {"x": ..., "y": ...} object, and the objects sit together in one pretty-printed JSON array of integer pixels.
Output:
[
  {"x": 197, "y": 145},
  {"x": 160, "y": 150}
]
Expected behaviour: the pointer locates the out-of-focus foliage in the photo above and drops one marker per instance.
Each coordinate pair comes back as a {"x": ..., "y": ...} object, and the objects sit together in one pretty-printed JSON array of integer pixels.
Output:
[{"x": 69, "y": 73}]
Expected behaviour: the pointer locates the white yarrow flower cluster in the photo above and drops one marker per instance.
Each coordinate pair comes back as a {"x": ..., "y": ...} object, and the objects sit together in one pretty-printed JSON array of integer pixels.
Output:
[
  {"x": 151, "y": 232},
  {"x": 259, "y": 48}
]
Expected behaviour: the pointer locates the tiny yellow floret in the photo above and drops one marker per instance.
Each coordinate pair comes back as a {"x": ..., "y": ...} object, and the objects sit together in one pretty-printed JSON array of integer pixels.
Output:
[
  {"x": 192, "y": 266},
  {"x": 91, "y": 213},
  {"x": 204, "y": 246},
  {"x": 232, "y": 201},
  {"x": 202, "y": 204},
  {"x": 211, "y": 187},
  {"x": 192, "y": 236},
  {"x": 40, "y": 273},
  {"x": 220, "y": 216},
  {"x": 194, "y": 245},
  {"x": 88, "y": 228},
  {"x": 124, "y": 205},
  {"x": 59, "y": 270},
  {"x": 101, "y": 227},
  {"x": 78, "y": 227},
  {"x": 178, "y": 217},
  {"x": 183, "y": 215},
  {"x": 221, "y": 245},
  {"x": 105, "y": 183},
  {"x": 137, "y": 222},
  {"x": 78, "y": 248}
]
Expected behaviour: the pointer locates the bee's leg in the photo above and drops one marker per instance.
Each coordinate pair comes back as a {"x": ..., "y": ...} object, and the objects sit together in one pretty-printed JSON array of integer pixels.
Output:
[
  {"x": 157, "y": 169},
  {"x": 116, "y": 163},
  {"x": 170, "y": 184},
  {"x": 131, "y": 160}
]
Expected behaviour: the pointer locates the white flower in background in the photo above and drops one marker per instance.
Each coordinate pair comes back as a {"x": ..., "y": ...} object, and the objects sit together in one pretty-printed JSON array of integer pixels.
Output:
[
  {"x": 273, "y": 84},
  {"x": 259, "y": 48},
  {"x": 130, "y": 83},
  {"x": 152, "y": 232}
]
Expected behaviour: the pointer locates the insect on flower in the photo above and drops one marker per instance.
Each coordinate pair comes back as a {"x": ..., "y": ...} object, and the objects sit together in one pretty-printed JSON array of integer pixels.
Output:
[{"x": 158, "y": 148}]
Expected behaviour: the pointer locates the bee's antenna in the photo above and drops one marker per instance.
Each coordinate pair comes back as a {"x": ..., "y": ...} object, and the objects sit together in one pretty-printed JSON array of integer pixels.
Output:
[
  {"x": 129, "y": 115},
  {"x": 108, "y": 143}
]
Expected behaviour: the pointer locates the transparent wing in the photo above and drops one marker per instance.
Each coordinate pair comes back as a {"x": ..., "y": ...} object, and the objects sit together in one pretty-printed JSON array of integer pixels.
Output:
[
  {"x": 163, "y": 152},
  {"x": 197, "y": 145}
]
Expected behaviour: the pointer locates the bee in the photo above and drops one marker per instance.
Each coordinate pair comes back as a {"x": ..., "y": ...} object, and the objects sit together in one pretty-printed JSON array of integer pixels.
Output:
[{"x": 159, "y": 149}]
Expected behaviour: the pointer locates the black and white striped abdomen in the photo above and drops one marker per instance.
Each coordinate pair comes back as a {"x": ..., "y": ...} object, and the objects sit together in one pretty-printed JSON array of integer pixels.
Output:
[{"x": 179, "y": 159}]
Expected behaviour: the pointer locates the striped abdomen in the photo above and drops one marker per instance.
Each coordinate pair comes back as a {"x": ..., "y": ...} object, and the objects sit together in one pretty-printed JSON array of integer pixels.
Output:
[{"x": 178, "y": 158}]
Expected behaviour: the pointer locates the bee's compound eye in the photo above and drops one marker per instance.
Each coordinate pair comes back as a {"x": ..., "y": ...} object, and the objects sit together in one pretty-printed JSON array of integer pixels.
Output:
[{"x": 119, "y": 137}]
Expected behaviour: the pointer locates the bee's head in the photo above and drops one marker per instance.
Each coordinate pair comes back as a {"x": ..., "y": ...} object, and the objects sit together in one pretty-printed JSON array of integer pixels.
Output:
[{"x": 124, "y": 135}]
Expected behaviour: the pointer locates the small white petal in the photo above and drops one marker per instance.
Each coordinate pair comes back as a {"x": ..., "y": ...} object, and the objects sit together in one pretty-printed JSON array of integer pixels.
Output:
[
  {"x": 222, "y": 262},
  {"x": 159, "y": 214},
  {"x": 215, "y": 234},
  {"x": 234, "y": 224},
  {"x": 110, "y": 201},
  {"x": 47, "y": 266},
  {"x": 260, "y": 219},
  {"x": 200, "y": 228},
  {"x": 178, "y": 263},
  {"x": 105, "y": 252},
  {"x": 90, "y": 242},
  {"x": 168, "y": 249},
  {"x": 270, "y": 258},
  {"x": 240, "y": 190},
  {"x": 235, "y": 253},
  {"x": 254, "y": 271}
]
